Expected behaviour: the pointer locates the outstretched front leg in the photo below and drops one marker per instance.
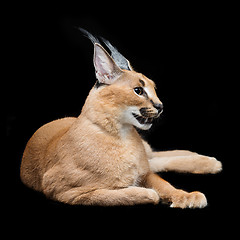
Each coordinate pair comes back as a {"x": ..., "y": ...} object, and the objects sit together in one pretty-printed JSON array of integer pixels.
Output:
[
  {"x": 181, "y": 161},
  {"x": 178, "y": 198}
]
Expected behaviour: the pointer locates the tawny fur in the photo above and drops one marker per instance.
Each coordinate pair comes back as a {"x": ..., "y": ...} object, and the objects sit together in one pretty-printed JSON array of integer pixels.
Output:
[{"x": 100, "y": 159}]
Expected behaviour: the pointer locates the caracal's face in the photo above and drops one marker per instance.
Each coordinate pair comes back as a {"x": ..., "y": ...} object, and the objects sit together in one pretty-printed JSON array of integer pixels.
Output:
[{"x": 134, "y": 97}]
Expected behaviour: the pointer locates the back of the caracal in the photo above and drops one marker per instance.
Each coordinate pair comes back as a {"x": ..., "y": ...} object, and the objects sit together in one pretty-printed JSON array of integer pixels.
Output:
[{"x": 34, "y": 162}]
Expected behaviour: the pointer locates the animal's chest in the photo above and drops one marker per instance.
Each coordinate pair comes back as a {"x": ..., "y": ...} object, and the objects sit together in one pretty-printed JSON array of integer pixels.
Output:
[
  {"x": 112, "y": 162},
  {"x": 130, "y": 165}
]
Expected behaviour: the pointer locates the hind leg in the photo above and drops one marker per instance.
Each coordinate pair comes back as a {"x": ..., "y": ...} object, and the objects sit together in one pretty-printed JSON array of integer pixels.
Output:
[
  {"x": 57, "y": 183},
  {"x": 107, "y": 197}
]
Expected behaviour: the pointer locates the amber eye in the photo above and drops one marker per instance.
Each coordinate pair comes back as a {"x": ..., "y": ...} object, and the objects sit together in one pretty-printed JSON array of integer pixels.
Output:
[{"x": 138, "y": 90}]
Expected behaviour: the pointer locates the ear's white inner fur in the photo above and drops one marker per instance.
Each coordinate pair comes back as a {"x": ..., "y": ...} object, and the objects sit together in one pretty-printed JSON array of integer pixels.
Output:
[{"x": 106, "y": 69}]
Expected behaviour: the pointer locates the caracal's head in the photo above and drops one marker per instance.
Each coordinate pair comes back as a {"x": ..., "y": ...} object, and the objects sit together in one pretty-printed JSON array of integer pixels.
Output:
[{"x": 122, "y": 93}]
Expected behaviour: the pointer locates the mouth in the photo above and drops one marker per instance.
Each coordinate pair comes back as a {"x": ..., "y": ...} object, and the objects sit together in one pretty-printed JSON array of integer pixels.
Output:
[{"x": 143, "y": 120}]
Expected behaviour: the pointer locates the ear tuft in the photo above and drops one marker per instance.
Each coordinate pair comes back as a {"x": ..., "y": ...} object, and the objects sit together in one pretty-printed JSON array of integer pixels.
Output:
[
  {"x": 119, "y": 59},
  {"x": 89, "y": 35},
  {"x": 106, "y": 69}
]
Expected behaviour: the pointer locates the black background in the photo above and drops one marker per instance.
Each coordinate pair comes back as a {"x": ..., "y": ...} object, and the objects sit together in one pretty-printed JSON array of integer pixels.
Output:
[{"x": 184, "y": 49}]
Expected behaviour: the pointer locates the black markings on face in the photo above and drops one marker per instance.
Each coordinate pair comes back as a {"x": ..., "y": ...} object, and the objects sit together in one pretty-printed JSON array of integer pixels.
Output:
[{"x": 142, "y": 82}]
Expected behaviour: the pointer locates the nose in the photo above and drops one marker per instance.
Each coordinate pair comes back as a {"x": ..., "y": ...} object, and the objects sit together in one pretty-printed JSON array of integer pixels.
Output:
[{"x": 158, "y": 106}]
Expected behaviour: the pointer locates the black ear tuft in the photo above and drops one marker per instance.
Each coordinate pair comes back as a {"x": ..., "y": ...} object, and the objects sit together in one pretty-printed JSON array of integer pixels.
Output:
[
  {"x": 119, "y": 59},
  {"x": 89, "y": 36}
]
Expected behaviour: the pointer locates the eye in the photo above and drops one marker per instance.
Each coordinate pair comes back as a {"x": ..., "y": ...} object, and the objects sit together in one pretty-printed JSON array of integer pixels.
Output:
[{"x": 138, "y": 90}]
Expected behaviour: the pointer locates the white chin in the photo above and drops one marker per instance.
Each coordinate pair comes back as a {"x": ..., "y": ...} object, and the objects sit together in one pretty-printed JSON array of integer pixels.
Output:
[
  {"x": 143, "y": 126},
  {"x": 128, "y": 118}
]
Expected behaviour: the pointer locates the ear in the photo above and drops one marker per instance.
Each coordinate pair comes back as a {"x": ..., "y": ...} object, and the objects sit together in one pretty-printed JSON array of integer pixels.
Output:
[{"x": 106, "y": 69}]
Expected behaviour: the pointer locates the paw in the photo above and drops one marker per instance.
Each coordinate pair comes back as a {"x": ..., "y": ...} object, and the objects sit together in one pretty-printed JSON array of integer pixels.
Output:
[
  {"x": 143, "y": 195},
  {"x": 153, "y": 196},
  {"x": 216, "y": 165},
  {"x": 188, "y": 200},
  {"x": 208, "y": 165}
]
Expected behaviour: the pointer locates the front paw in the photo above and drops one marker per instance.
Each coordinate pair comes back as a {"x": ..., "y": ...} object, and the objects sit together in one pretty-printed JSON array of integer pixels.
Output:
[
  {"x": 188, "y": 200},
  {"x": 208, "y": 165},
  {"x": 216, "y": 165}
]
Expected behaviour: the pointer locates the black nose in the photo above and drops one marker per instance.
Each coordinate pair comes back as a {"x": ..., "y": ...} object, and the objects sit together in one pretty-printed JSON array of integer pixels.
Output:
[{"x": 158, "y": 106}]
